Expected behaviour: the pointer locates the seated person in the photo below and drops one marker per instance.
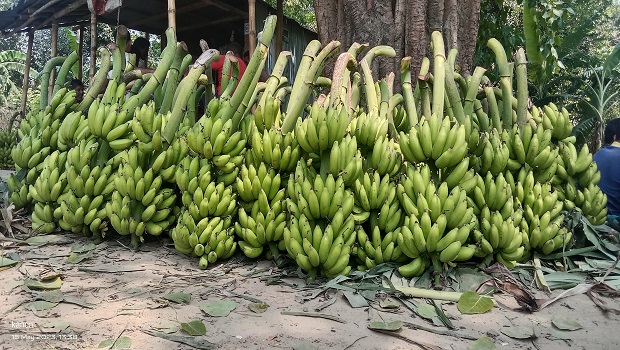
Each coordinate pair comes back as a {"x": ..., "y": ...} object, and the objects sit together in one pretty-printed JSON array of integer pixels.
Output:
[
  {"x": 78, "y": 86},
  {"x": 608, "y": 162}
]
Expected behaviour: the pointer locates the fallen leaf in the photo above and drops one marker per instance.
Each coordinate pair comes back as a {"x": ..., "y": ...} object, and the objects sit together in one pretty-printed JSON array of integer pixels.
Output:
[
  {"x": 46, "y": 239},
  {"x": 565, "y": 324},
  {"x": 474, "y": 303},
  {"x": 120, "y": 343},
  {"x": 4, "y": 261},
  {"x": 179, "y": 298},
  {"x": 425, "y": 310},
  {"x": 194, "y": 342},
  {"x": 82, "y": 248},
  {"x": 194, "y": 328},
  {"x": 168, "y": 327},
  {"x": 219, "y": 308},
  {"x": 77, "y": 301},
  {"x": 484, "y": 343},
  {"x": 53, "y": 296},
  {"x": 355, "y": 299},
  {"x": 386, "y": 326},
  {"x": 34, "y": 284},
  {"x": 258, "y": 308},
  {"x": 519, "y": 332},
  {"x": 42, "y": 305},
  {"x": 75, "y": 258},
  {"x": 54, "y": 326},
  {"x": 389, "y": 303}
]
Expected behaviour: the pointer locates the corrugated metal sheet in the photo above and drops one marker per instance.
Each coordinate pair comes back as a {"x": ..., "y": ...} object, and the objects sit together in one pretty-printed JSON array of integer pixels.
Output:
[{"x": 295, "y": 39}]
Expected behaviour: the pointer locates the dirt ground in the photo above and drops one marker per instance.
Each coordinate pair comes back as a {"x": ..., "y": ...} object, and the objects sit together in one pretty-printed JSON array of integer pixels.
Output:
[{"x": 121, "y": 296}]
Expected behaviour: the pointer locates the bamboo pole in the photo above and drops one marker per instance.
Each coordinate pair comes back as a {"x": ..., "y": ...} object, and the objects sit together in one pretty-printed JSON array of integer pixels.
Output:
[
  {"x": 80, "y": 51},
  {"x": 172, "y": 16},
  {"x": 252, "y": 25},
  {"x": 93, "y": 44},
  {"x": 27, "y": 73},
  {"x": 279, "y": 27},
  {"x": 53, "y": 53}
]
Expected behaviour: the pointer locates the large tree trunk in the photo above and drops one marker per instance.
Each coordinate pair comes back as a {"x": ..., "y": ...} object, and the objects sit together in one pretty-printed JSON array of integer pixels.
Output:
[{"x": 405, "y": 25}]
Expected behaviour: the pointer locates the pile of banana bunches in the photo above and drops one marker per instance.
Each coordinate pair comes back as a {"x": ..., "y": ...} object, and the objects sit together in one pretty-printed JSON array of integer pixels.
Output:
[
  {"x": 8, "y": 140},
  {"x": 359, "y": 177}
]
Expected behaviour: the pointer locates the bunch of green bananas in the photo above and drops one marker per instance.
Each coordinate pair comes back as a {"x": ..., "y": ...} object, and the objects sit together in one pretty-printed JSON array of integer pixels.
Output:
[
  {"x": 263, "y": 224},
  {"x": 46, "y": 190},
  {"x": 322, "y": 127},
  {"x": 73, "y": 129},
  {"x": 108, "y": 122},
  {"x": 401, "y": 123},
  {"x": 90, "y": 184},
  {"x": 215, "y": 140},
  {"x": 318, "y": 196},
  {"x": 377, "y": 197},
  {"x": 210, "y": 238},
  {"x": 268, "y": 116},
  {"x": 385, "y": 157},
  {"x": 20, "y": 196},
  {"x": 345, "y": 160},
  {"x": 435, "y": 139},
  {"x": 368, "y": 128},
  {"x": 8, "y": 140},
  {"x": 551, "y": 117},
  {"x": 281, "y": 152},
  {"x": 495, "y": 155},
  {"x": 140, "y": 201},
  {"x": 320, "y": 245}
]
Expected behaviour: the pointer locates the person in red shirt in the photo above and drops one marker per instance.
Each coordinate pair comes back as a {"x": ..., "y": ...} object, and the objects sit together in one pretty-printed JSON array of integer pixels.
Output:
[{"x": 217, "y": 66}]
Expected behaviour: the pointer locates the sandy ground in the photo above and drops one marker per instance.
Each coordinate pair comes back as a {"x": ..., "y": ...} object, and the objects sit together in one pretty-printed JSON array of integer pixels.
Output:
[{"x": 130, "y": 304}]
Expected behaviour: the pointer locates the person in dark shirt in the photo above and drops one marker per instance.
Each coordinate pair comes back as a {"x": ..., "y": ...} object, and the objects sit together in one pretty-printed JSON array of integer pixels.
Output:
[
  {"x": 608, "y": 162},
  {"x": 78, "y": 86}
]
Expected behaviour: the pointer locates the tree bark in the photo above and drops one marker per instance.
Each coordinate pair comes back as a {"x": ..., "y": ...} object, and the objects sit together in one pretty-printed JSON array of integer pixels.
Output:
[{"x": 405, "y": 25}]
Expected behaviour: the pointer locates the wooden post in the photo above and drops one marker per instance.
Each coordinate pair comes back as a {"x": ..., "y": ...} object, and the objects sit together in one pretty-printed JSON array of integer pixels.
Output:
[
  {"x": 172, "y": 15},
  {"x": 93, "y": 44},
  {"x": 252, "y": 25},
  {"x": 53, "y": 53},
  {"x": 27, "y": 73},
  {"x": 80, "y": 51},
  {"x": 279, "y": 27}
]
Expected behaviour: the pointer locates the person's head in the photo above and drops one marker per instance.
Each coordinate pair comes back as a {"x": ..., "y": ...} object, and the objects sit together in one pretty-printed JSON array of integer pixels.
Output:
[
  {"x": 78, "y": 86},
  {"x": 612, "y": 131},
  {"x": 140, "y": 47},
  {"x": 235, "y": 48}
]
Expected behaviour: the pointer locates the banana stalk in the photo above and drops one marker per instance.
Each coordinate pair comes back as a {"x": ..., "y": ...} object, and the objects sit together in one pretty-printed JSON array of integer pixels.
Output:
[
  {"x": 452, "y": 91},
  {"x": 252, "y": 72},
  {"x": 122, "y": 34},
  {"x": 229, "y": 84},
  {"x": 295, "y": 107},
  {"x": 504, "y": 80},
  {"x": 425, "y": 95},
  {"x": 371, "y": 93},
  {"x": 439, "y": 73},
  {"x": 493, "y": 108},
  {"x": 472, "y": 91},
  {"x": 184, "y": 90},
  {"x": 172, "y": 81},
  {"x": 64, "y": 71},
  {"x": 522, "y": 93},
  {"x": 226, "y": 69},
  {"x": 338, "y": 93},
  {"x": 157, "y": 77},
  {"x": 45, "y": 79},
  {"x": 130, "y": 64},
  {"x": 98, "y": 81},
  {"x": 274, "y": 80},
  {"x": 405, "y": 78},
  {"x": 118, "y": 62}
]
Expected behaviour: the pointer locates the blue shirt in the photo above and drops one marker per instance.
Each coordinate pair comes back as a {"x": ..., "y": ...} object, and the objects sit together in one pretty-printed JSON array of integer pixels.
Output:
[{"x": 608, "y": 162}]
